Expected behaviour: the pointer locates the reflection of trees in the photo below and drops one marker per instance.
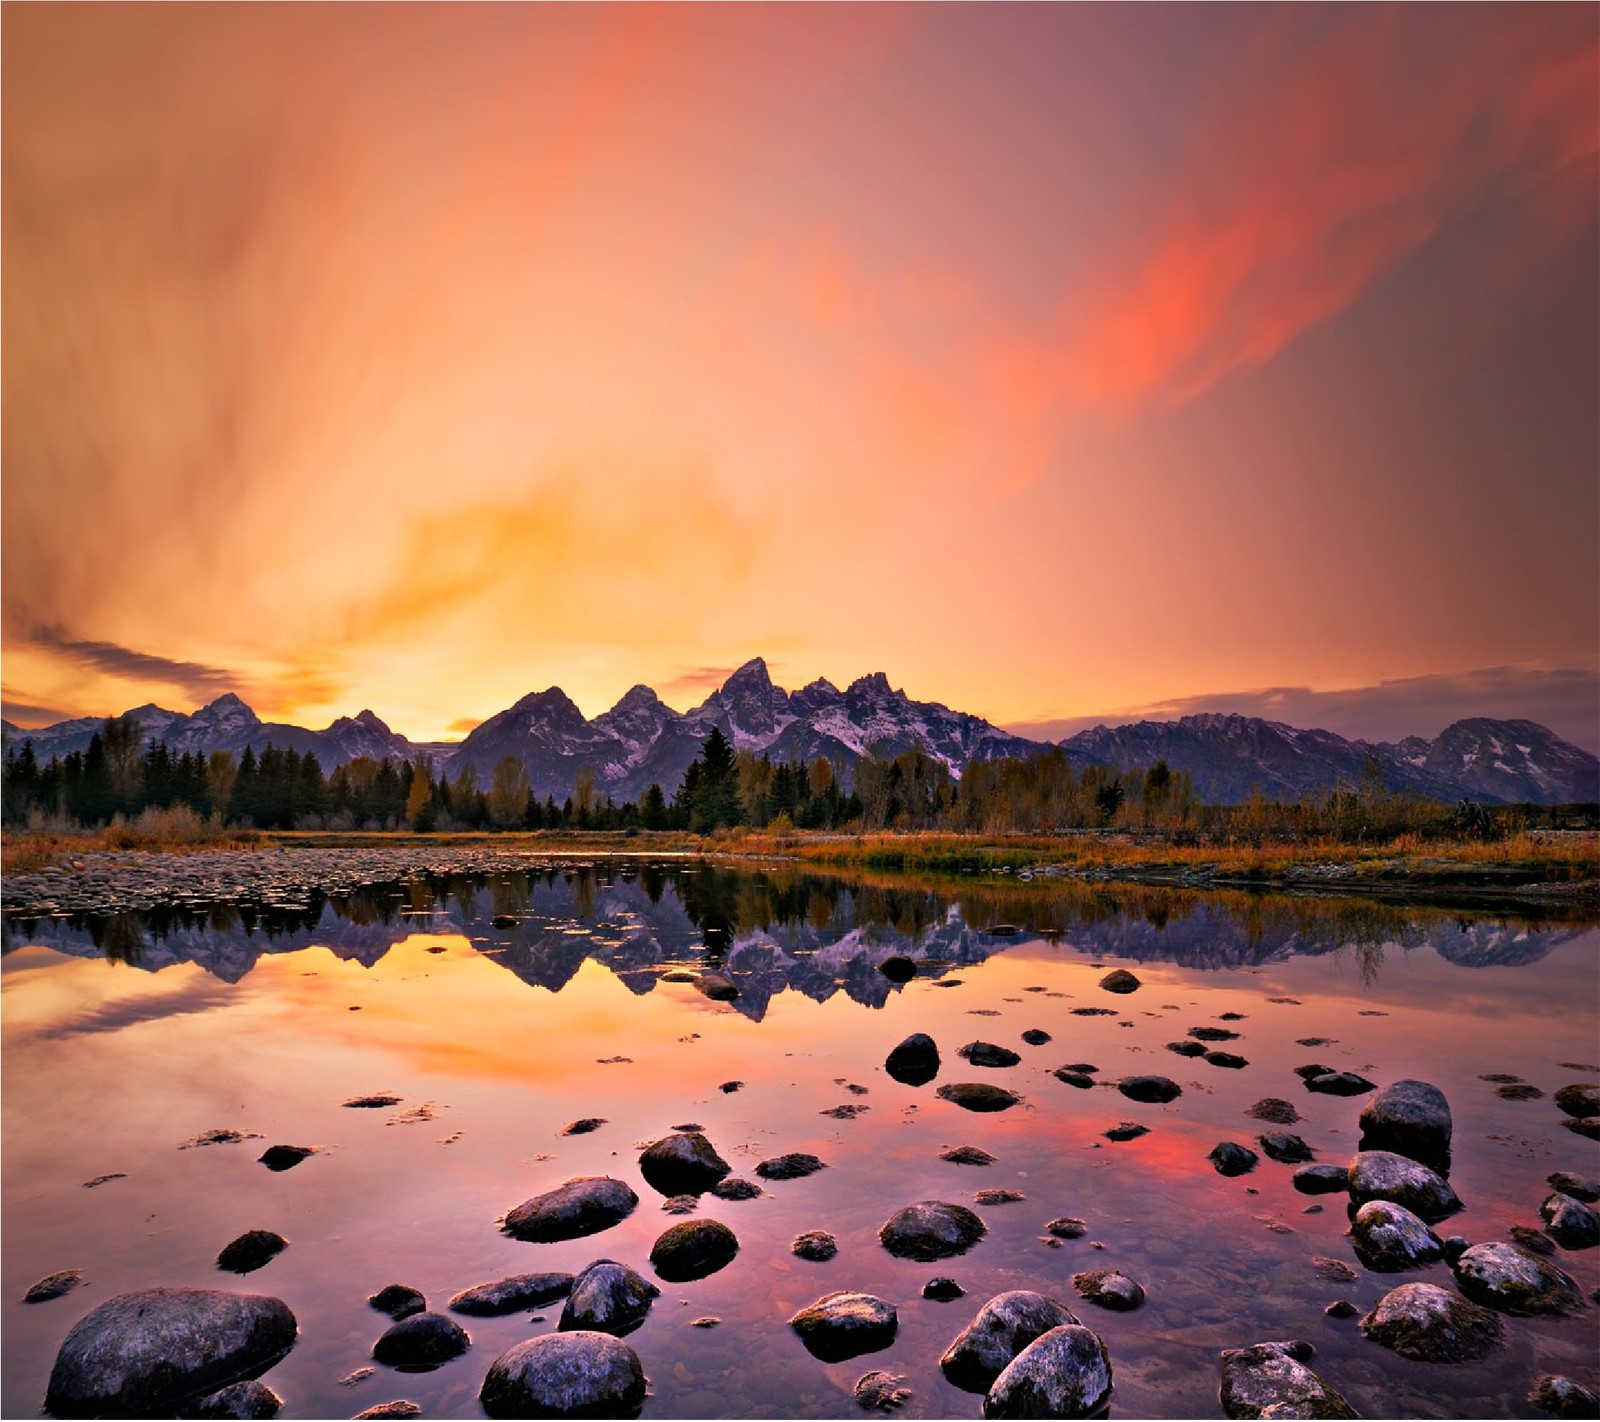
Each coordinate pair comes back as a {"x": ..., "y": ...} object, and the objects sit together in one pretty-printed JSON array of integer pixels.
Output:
[
  {"x": 583, "y": 887},
  {"x": 122, "y": 938},
  {"x": 653, "y": 879},
  {"x": 510, "y": 893}
]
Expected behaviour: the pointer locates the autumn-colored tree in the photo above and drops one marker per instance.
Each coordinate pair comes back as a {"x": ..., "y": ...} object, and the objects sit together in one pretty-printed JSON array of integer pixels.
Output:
[{"x": 508, "y": 792}]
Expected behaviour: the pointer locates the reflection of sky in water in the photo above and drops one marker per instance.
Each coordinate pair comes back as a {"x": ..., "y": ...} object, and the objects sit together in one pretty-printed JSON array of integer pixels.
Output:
[{"x": 108, "y": 1068}]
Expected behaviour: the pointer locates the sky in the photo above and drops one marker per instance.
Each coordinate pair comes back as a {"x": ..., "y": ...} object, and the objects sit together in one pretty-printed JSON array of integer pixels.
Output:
[{"x": 1065, "y": 363}]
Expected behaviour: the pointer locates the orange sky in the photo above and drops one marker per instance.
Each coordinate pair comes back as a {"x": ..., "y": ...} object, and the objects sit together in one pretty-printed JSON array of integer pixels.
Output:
[{"x": 1055, "y": 360}]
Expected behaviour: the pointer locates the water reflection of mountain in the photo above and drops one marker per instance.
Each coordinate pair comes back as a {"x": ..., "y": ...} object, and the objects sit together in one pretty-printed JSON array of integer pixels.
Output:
[{"x": 777, "y": 931}]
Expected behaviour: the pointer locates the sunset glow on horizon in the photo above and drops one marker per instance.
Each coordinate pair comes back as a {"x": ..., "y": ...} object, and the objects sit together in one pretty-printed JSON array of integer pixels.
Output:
[{"x": 1059, "y": 361}]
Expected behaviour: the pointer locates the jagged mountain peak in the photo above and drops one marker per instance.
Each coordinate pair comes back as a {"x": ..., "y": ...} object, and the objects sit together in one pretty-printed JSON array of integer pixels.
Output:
[
  {"x": 873, "y": 684},
  {"x": 635, "y": 698}
]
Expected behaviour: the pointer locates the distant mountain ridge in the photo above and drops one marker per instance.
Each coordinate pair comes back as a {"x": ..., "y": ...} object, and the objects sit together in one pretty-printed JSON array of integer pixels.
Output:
[{"x": 642, "y": 741}]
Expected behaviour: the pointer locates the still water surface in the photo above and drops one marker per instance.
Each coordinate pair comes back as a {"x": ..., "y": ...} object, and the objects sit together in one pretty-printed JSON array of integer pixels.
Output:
[{"x": 124, "y": 1038}]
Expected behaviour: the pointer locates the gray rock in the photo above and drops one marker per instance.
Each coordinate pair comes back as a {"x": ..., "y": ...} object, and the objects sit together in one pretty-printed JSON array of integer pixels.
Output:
[
  {"x": 1410, "y": 1118},
  {"x": 609, "y": 1298},
  {"x": 1564, "y": 1397},
  {"x": 931, "y": 1229},
  {"x": 1109, "y": 1288},
  {"x": 1509, "y": 1278},
  {"x": 577, "y": 1374},
  {"x": 1579, "y": 1099},
  {"x": 400, "y": 1407},
  {"x": 1320, "y": 1179},
  {"x": 879, "y": 1391},
  {"x": 149, "y": 1351},
  {"x": 693, "y": 1250},
  {"x": 511, "y": 1295},
  {"x": 1267, "y": 1380},
  {"x": 988, "y": 1054},
  {"x": 816, "y": 1245},
  {"x": 251, "y": 1250},
  {"x": 735, "y": 1188},
  {"x": 1000, "y": 1330},
  {"x": 717, "y": 986},
  {"x": 421, "y": 1340},
  {"x": 844, "y": 1325},
  {"x": 241, "y": 1399},
  {"x": 1062, "y": 1373},
  {"x": 53, "y": 1286},
  {"x": 977, "y": 1096},
  {"x": 1231, "y": 1158},
  {"x": 1431, "y": 1325},
  {"x": 683, "y": 1163},
  {"x": 1286, "y": 1148},
  {"x": 1152, "y": 1089},
  {"x": 1339, "y": 1083},
  {"x": 1120, "y": 980},
  {"x": 398, "y": 1300},
  {"x": 915, "y": 1062},
  {"x": 794, "y": 1166},
  {"x": 585, "y": 1205},
  {"x": 1571, "y": 1223},
  {"x": 1382, "y": 1175},
  {"x": 1580, "y": 1187},
  {"x": 1388, "y": 1237}
]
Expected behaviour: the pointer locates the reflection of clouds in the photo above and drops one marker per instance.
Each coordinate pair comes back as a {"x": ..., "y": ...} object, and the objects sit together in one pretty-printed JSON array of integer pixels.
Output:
[{"x": 201, "y": 996}]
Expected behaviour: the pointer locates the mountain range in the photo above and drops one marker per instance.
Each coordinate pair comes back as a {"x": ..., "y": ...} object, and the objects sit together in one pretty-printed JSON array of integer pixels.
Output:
[{"x": 641, "y": 741}]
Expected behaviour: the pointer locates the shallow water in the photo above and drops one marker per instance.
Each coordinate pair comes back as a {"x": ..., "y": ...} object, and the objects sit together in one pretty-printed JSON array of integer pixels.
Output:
[{"x": 126, "y": 1037}]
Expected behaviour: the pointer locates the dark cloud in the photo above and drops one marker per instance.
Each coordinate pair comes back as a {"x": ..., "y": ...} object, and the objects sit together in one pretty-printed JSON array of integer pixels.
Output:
[
  {"x": 28, "y": 715},
  {"x": 201, "y": 682},
  {"x": 1566, "y": 699}
]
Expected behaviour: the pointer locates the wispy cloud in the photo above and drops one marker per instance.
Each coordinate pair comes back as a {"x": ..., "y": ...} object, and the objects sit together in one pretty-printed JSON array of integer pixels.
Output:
[
  {"x": 26, "y": 713},
  {"x": 203, "y": 683},
  {"x": 696, "y": 679},
  {"x": 463, "y": 725}
]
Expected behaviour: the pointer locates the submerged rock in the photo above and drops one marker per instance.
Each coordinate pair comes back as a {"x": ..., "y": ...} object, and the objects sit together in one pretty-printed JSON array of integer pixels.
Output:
[
  {"x": 1125, "y": 1131},
  {"x": 1410, "y": 1118},
  {"x": 1067, "y": 1228},
  {"x": 1269, "y": 1380},
  {"x": 582, "y": 1126},
  {"x": 1231, "y": 1158},
  {"x": 1513, "y": 1280},
  {"x": 1431, "y": 1325},
  {"x": 582, "y": 1206},
  {"x": 1274, "y": 1109},
  {"x": 942, "y": 1289},
  {"x": 53, "y": 1286},
  {"x": 845, "y": 1325},
  {"x": 1187, "y": 1048},
  {"x": 1001, "y": 1329},
  {"x": 817, "y": 1245},
  {"x": 693, "y": 1250},
  {"x": 967, "y": 1155},
  {"x": 242, "y": 1399},
  {"x": 575, "y": 1374},
  {"x": 511, "y": 1295},
  {"x": 1151, "y": 1089},
  {"x": 1338, "y": 1083},
  {"x": 1109, "y": 1288},
  {"x": 1579, "y": 1099},
  {"x": 879, "y": 1391},
  {"x": 1564, "y": 1397},
  {"x": 988, "y": 1054},
  {"x": 149, "y": 1351},
  {"x": 794, "y": 1166},
  {"x": 931, "y": 1229},
  {"x": 1226, "y": 1059},
  {"x": 735, "y": 1188},
  {"x": 421, "y": 1340},
  {"x": 1082, "y": 1080},
  {"x": 401, "y": 1407},
  {"x": 1120, "y": 980},
  {"x": 251, "y": 1250},
  {"x": 609, "y": 1298},
  {"x": 1388, "y": 1237},
  {"x": 683, "y": 1163},
  {"x": 1036, "y": 1037},
  {"x": 978, "y": 1096},
  {"x": 915, "y": 1062},
  {"x": 1382, "y": 1175},
  {"x": 1320, "y": 1179},
  {"x": 284, "y": 1157},
  {"x": 1285, "y": 1147},
  {"x": 1571, "y": 1223},
  {"x": 1062, "y": 1373}
]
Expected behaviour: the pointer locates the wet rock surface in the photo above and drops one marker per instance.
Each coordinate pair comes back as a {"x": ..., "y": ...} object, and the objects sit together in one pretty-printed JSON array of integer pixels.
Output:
[
  {"x": 1273, "y": 1109},
  {"x": 250, "y": 1251},
  {"x": 1152, "y": 1090},
  {"x": 1388, "y": 1237},
  {"x": 1338, "y": 1083},
  {"x": 817, "y": 1245},
  {"x": 573, "y": 1374},
  {"x": 1410, "y": 1118},
  {"x": 1564, "y": 1397},
  {"x": 794, "y": 1166},
  {"x": 607, "y": 1297},
  {"x": 845, "y": 1325},
  {"x": 1036, "y": 1037},
  {"x": 1432, "y": 1325},
  {"x": 1231, "y": 1158},
  {"x": 988, "y": 1054},
  {"x": 148, "y": 1351},
  {"x": 1109, "y": 1288},
  {"x": 1571, "y": 1223},
  {"x": 421, "y": 1340},
  {"x": 1285, "y": 1147},
  {"x": 978, "y": 1096},
  {"x": 1514, "y": 1280},
  {"x": 511, "y": 1294},
  {"x": 735, "y": 1188},
  {"x": 1187, "y": 1048},
  {"x": 682, "y": 1163},
  {"x": 1580, "y": 1187},
  {"x": 1382, "y": 1175},
  {"x": 915, "y": 1061},
  {"x": 583, "y": 1126},
  {"x": 1579, "y": 1099},
  {"x": 1270, "y": 1380},
  {"x": 1322, "y": 1179},
  {"x": 400, "y": 1407},
  {"x": 1062, "y": 1373},
  {"x": 967, "y": 1155},
  {"x": 1067, "y": 1227},
  {"x": 241, "y": 1399},
  {"x": 1001, "y": 1329},
  {"x": 1231, "y": 1060},
  {"x": 1120, "y": 980},
  {"x": 931, "y": 1229},
  {"x": 285, "y": 1157},
  {"x": 53, "y": 1286},
  {"x": 942, "y": 1289},
  {"x": 1125, "y": 1131},
  {"x": 693, "y": 1250},
  {"x": 582, "y": 1206},
  {"x": 879, "y": 1391}
]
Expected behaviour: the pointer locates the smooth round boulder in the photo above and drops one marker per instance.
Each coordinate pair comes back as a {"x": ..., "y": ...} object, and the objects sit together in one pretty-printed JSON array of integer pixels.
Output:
[
  {"x": 915, "y": 1062},
  {"x": 1579, "y": 1099},
  {"x": 1514, "y": 1280},
  {"x": 1382, "y": 1175},
  {"x": 931, "y": 1229},
  {"x": 511, "y": 1295},
  {"x": 1431, "y": 1325},
  {"x": 1410, "y": 1118},
  {"x": 239, "y": 1400},
  {"x": 250, "y": 1251},
  {"x": 683, "y": 1163},
  {"x": 977, "y": 1096},
  {"x": 693, "y": 1250},
  {"x": 398, "y": 1300},
  {"x": 583, "y": 1206},
  {"x": 607, "y": 1297},
  {"x": 576, "y": 1374},
  {"x": 146, "y": 1352},
  {"x": 1388, "y": 1238},
  {"x": 1267, "y": 1380},
  {"x": 845, "y": 1325},
  {"x": 1571, "y": 1223},
  {"x": 1231, "y": 1158},
  {"x": 1120, "y": 980},
  {"x": 1062, "y": 1373},
  {"x": 421, "y": 1340},
  {"x": 1000, "y": 1330},
  {"x": 794, "y": 1166},
  {"x": 1109, "y": 1288},
  {"x": 1322, "y": 1179},
  {"x": 942, "y": 1289},
  {"x": 1151, "y": 1089},
  {"x": 988, "y": 1054}
]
